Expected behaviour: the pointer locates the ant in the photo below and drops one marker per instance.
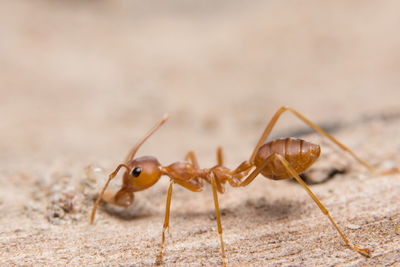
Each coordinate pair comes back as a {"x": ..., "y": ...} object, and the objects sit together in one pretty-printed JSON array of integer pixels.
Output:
[{"x": 278, "y": 159}]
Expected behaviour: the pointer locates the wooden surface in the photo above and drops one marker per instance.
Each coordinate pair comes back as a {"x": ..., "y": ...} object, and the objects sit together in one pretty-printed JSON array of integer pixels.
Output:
[{"x": 80, "y": 83}]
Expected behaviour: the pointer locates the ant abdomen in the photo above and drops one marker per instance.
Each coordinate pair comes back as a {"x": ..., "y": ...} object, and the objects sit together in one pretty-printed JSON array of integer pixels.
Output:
[{"x": 300, "y": 155}]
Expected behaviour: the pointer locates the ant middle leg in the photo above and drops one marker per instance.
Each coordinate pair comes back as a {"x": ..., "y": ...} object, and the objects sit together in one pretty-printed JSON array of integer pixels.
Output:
[
  {"x": 191, "y": 157},
  {"x": 275, "y": 118}
]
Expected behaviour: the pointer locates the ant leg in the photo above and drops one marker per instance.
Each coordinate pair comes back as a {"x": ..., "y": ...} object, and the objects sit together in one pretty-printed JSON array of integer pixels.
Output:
[
  {"x": 242, "y": 170},
  {"x": 112, "y": 176},
  {"x": 220, "y": 156},
  {"x": 234, "y": 177},
  {"x": 274, "y": 119},
  {"x": 267, "y": 131},
  {"x": 256, "y": 171},
  {"x": 285, "y": 163},
  {"x": 215, "y": 194},
  {"x": 243, "y": 167},
  {"x": 290, "y": 169},
  {"x": 166, "y": 219},
  {"x": 191, "y": 157},
  {"x": 192, "y": 187}
]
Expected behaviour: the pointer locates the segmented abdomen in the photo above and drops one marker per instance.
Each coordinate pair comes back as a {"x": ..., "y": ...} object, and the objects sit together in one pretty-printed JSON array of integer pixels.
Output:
[{"x": 299, "y": 153}]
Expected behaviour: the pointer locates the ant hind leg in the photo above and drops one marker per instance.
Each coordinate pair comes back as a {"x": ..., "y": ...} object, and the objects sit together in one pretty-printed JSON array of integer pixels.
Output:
[
  {"x": 277, "y": 115},
  {"x": 285, "y": 163}
]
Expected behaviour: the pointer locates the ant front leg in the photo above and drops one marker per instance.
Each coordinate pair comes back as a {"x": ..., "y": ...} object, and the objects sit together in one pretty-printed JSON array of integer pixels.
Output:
[
  {"x": 275, "y": 118},
  {"x": 166, "y": 219},
  {"x": 194, "y": 187}
]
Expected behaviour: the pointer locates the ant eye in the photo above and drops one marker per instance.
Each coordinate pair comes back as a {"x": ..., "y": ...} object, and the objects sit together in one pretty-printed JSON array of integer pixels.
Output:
[{"x": 136, "y": 171}]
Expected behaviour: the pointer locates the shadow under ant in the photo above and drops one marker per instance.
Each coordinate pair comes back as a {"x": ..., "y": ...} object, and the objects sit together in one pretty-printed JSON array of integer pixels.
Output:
[{"x": 310, "y": 179}]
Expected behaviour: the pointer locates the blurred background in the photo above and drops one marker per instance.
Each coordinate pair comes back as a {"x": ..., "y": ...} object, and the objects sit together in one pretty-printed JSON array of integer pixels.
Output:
[{"x": 83, "y": 80}]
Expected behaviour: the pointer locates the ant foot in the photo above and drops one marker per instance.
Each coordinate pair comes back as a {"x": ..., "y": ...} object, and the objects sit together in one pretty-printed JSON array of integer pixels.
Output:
[
  {"x": 394, "y": 170},
  {"x": 159, "y": 260},
  {"x": 365, "y": 252}
]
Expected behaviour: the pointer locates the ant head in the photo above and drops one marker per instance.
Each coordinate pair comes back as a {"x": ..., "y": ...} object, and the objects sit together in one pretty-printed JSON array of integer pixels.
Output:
[
  {"x": 140, "y": 174},
  {"x": 144, "y": 172}
]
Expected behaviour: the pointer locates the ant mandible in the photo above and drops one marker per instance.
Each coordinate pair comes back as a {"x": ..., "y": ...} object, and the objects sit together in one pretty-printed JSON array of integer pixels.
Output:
[{"x": 278, "y": 159}]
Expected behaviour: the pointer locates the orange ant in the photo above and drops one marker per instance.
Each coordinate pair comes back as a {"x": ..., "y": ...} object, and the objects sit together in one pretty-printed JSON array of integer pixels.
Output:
[{"x": 278, "y": 159}]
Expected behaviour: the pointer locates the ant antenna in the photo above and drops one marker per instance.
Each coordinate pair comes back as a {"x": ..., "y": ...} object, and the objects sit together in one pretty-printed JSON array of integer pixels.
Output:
[
  {"x": 128, "y": 158},
  {"x": 155, "y": 128},
  {"x": 112, "y": 175}
]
